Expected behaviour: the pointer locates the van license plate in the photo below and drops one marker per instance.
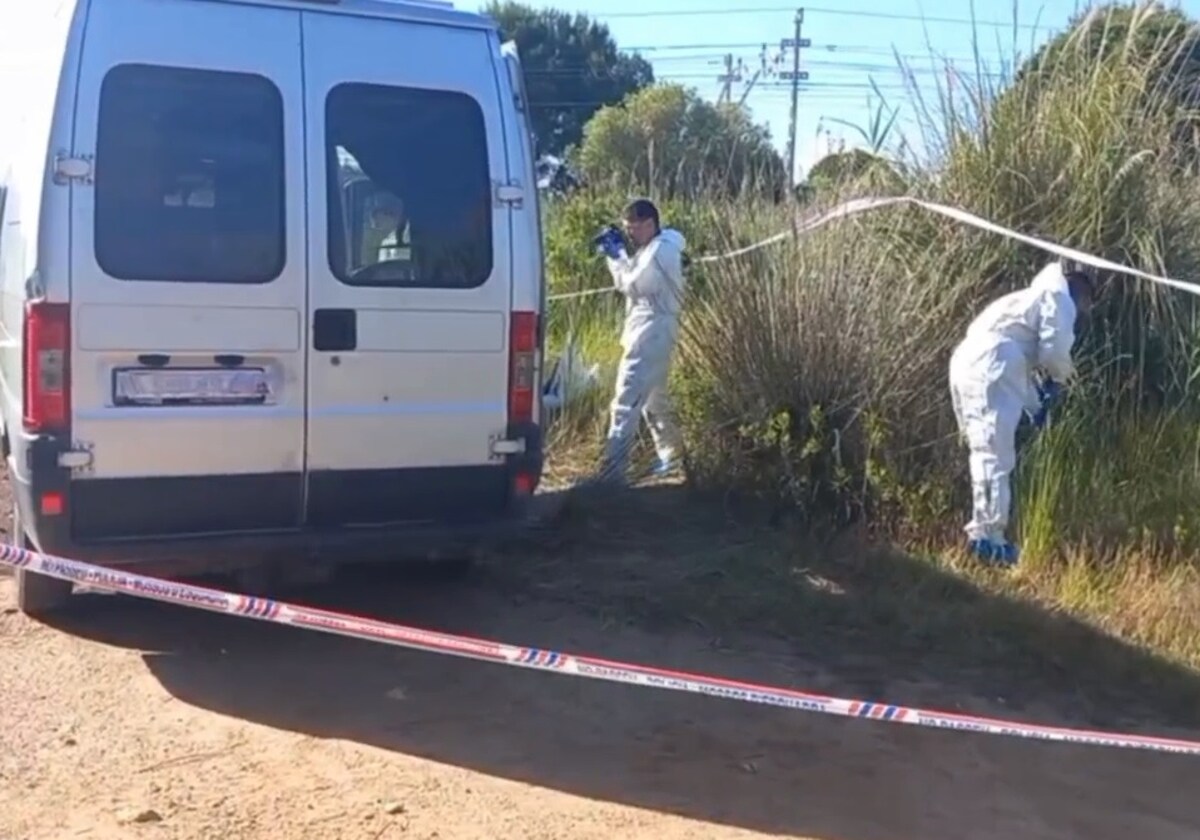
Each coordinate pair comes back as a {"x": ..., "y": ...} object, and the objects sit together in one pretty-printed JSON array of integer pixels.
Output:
[{"x": 190, "y": 386}]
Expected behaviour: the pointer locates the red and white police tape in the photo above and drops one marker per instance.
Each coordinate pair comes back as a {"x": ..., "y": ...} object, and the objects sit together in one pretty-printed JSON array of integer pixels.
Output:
[{"x": 432, "y": 641}]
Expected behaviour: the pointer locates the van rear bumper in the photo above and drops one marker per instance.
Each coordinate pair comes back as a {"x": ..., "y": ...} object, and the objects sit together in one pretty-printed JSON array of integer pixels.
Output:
[{"x": 228, "y": 552}]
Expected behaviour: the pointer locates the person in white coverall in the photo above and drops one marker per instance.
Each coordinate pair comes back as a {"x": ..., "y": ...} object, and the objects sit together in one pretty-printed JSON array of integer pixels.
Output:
[
  {"x": 992, "y": 383},
  {"x": 651, "y": 279}
]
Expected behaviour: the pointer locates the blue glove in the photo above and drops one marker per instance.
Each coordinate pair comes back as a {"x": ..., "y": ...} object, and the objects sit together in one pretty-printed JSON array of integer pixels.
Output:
[
  {"x": 613, "y": 246},
  {"x": 1048, "y": 393},
  {"x": 610, "y": 242}
]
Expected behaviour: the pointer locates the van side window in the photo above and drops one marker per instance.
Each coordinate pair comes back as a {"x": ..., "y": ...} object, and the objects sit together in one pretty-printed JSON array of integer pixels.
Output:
[
  {"x": 409, "y": 188},
  {"x": 189, "y": 176}
]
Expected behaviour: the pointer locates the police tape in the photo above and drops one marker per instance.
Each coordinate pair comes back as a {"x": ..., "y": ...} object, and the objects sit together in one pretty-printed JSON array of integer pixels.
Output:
[
  {"x": 862, "y": 205},
  {"x": 542, "y": 659}
]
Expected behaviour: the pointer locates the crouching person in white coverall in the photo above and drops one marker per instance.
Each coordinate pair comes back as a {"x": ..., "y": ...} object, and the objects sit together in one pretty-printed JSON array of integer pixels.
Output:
[
  {"x": 992, "y": 383},
  {"x": 651, "y": 279}
]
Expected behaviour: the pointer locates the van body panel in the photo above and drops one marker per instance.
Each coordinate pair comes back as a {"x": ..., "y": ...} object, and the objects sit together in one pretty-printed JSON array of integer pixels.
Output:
[
  {"x": 427, "y": 331},
  {"x": 528, "y": 259},
  {"x": 415, "y": 11},
  {"x": 40, "y": 47},
  {"x": 189, "y": 249},
  {"x": 527, "y": 251},
  {"x": 188, "y": 329},
  {"x": 111, "y": 509},
  {"x": 409, "y": 284}
]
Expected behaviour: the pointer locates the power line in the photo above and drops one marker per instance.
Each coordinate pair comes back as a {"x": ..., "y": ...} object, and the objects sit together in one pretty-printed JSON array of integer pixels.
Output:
[
  {"x": 823, "y": 64},
  {"x": 779, "y": 90},
  {"x": 882, "y": 75},
  {"x": 709, "y": 46},
  {"x": 693, "y": 12},
  {"x": 813, "y": 87},
  {"x": 838, "y": 76},
  {"x": 746, "y": 45},
  {"x": 838, "y": 49},
  {"x": 581, "y": 73},
  {"x": 859, "y": 13},
  {"x": 835, "y": 79}
]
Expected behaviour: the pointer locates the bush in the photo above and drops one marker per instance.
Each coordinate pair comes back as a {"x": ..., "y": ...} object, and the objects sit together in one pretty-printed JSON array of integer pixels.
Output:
[{"x": 668, "y": 136}]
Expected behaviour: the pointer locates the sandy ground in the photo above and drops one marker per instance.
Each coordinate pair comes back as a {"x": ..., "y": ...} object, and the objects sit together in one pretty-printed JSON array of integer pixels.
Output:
[{"x": 137, "y": 720}]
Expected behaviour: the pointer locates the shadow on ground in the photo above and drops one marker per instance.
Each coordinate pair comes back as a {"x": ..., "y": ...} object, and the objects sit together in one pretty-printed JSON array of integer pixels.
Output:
[{"x": 890, "y": 625}]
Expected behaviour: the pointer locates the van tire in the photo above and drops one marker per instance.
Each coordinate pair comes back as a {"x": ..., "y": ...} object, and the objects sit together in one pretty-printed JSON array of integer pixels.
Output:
[
  {"x": 40, "y": 595},
  {"x": 36, "y": 594}
]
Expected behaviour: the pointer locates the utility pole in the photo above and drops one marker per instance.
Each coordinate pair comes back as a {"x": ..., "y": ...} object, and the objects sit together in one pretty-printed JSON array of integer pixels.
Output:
[
  {"x": 796, "y": 43},
  {"x": 763, "y": 68},
  {"x": 749, "y": 87},
  {"x": 727, "y": 79}
]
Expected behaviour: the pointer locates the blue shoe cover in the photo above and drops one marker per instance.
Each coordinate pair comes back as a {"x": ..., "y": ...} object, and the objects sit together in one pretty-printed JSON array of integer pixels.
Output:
[
  {"x": 994, "y": 553},
  {"x": 1007, "y": 554},
  {"x": 981, "y": 549}
]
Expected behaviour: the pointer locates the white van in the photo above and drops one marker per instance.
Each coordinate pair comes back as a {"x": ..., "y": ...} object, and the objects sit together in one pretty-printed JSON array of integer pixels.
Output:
[{"x": 272, "y": 283}]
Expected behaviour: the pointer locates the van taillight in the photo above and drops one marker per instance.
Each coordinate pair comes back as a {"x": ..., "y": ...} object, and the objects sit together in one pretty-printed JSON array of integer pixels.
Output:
[
  {"x": 47, "y": 336},
  {"x": 523, "y": 345}
]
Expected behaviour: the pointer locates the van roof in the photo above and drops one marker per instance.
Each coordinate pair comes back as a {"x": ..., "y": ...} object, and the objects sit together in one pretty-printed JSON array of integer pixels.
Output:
[{"x": 422, "y": 11}]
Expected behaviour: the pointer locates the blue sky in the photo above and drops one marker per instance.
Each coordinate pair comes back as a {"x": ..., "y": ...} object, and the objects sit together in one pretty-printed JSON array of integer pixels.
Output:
[
  {"x": 686, "y": 41},
  {"x": 852, "y": 43}
]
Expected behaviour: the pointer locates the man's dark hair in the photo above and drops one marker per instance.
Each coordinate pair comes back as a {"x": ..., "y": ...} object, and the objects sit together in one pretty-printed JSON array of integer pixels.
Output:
[{"x": 641, "y": 209}]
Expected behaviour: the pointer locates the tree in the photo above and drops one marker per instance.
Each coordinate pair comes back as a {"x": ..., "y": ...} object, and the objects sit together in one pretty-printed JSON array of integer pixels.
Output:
[
  {"x": 668, "y": 140},
  {"x": 855, "y": 167},
  {"x": 572, "y": 68},
  {"x": 1158, "y": 35}
]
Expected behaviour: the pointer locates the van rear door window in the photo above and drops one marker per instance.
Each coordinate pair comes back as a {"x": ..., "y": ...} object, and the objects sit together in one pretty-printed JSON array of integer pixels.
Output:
[
  {"x": 409, "y": 189},
  {"x": 189, "y": 176}
]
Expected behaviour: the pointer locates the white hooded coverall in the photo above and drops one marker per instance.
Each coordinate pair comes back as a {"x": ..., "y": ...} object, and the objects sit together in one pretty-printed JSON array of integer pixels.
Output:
[
  {"x": 991, "y": 384},
  {"x": 653, "y": 284}
]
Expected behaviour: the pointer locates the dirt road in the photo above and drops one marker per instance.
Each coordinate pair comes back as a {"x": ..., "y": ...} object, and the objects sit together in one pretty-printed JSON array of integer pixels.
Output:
[{"x": 136, "y": 720}]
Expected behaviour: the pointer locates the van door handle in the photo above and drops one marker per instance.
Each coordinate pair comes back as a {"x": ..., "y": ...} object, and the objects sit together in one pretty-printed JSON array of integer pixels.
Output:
[{"x": 335, "y": 330}]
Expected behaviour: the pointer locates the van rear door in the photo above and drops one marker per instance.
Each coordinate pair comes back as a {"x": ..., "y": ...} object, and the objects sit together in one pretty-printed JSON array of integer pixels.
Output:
[
  {"x": 188, "y": 271},
  {"x": 410, "y": 287}
]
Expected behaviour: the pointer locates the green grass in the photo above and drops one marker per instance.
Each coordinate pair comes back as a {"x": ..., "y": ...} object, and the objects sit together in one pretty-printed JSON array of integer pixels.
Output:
[{"x": 1125, "y": 486}]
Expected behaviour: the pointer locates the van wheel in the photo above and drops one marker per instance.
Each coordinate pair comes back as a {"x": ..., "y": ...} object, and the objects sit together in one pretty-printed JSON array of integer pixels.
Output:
[
  {"x": 36, "y": 594},
  {"x": 40, "y": 595}
]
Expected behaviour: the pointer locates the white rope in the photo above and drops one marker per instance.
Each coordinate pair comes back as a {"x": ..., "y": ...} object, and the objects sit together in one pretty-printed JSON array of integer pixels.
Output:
[{"x": 862, "y": 205}]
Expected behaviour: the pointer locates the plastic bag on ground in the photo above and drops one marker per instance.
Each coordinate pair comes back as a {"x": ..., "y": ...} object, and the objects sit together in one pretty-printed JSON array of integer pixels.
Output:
[{"x": 569, "y": 378}]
